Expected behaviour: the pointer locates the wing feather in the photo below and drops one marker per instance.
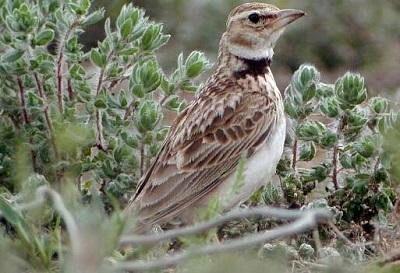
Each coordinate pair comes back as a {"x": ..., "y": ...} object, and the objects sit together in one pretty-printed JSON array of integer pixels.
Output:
[{"x": 202, "y": 149}]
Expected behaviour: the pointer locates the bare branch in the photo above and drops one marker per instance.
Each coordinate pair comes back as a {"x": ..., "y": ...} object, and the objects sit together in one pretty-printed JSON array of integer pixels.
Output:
[
  {"x": 100, "y": 141},
  {"x": 60, "y": 65},
  {"x": 306, "y": 222},
  {"x": 317, "y": 240},
  {"x": 335, "y": 157},
  {"x": 70, "y": 90},
  {"x": 341, "y": 235},
  {"x": 294, "y": 152},
  {"x": 42, "y": 94},
  {"x": 270, "y": 212},
  {"x": 25, "y": 116},
  {"x": 130, "y": 110},
  {"x": 391, "y": 258}
]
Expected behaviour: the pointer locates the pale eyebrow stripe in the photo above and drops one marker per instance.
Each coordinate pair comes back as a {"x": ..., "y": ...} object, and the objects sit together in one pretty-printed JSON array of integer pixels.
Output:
[{"x": 246, "y": 14}]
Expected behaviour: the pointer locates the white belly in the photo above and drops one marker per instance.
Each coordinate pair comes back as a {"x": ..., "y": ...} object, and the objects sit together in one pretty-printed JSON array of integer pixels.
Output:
[{"x": 258, "y": 169}]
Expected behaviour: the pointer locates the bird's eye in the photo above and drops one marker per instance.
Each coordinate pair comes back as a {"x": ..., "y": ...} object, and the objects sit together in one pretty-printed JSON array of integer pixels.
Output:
[{"x": 254, "y": 18}]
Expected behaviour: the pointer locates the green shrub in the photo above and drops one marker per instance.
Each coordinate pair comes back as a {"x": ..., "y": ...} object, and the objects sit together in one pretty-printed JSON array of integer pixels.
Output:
[
  {"x": 337, "y": 123},
  {"x": 101, "y": 125}
]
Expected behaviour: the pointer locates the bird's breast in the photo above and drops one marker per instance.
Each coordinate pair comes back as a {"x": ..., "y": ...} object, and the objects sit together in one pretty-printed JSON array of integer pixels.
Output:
[{"x": 258, "y": 169}]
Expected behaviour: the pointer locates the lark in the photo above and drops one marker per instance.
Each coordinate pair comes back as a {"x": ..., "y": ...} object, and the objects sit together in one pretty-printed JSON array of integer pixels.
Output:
[{"x": 238, "y": 116}]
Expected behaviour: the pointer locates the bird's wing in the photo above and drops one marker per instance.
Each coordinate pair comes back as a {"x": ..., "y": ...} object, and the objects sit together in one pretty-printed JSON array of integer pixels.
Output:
[{"x": 202, "y": 149}]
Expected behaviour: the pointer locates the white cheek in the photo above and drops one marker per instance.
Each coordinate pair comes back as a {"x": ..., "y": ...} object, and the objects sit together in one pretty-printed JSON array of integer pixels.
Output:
[{"x": 262, "y": 47}]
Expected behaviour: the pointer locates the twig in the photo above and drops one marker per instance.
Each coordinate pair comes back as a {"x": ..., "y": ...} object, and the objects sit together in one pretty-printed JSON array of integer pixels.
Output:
[
  {"x": 142, "y": 157},
  {"x": 100, "y": 82},
  {"x": 269, "y": 212},
  {"x": 163, "y": 100},
  {"x": 99, "y": 131},
  {"x": 101, "y": 143},
  {"x": 308, "y": 221},
  {"x": 335, "y": 160},
  {"x": 99, "y": 122},
  {"x": 25, "y": 116},
  {"x": 131, "y": 109},
  {"x": 335, "y": 167},
  {"x": 70, "y": 90},
  {"x": 317, "y": 241},
  {"x": 341, "y": 235},
  {"x": 393, "y": 257},
  {"x": 294, "y": 151},
  {"x": 377, "y": 163},
  {"x": 114, "y": 83},
  {"x": 60, "y": 66},
  {"x": 42, "y": 95}
]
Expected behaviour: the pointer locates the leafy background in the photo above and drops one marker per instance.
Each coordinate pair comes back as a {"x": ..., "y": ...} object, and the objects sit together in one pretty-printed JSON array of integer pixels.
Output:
[{"x": 337, "y": 36}]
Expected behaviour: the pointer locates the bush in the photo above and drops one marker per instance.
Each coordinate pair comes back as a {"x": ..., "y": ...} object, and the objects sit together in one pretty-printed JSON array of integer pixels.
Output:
[
  {"x": 338, "y": 125},
  {"x": 66, "y": 121}
]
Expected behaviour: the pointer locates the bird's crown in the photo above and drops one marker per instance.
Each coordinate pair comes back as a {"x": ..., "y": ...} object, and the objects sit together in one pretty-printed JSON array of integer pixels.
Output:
[{"x": 244, "y": 10}]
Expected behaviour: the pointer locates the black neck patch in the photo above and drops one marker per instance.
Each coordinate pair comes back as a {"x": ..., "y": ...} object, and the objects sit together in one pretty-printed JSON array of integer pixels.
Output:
[{"x": 253, "y": 68}]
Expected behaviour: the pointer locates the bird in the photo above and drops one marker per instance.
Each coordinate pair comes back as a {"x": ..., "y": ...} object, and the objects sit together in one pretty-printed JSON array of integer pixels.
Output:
[{"x": 236, "y": 119}]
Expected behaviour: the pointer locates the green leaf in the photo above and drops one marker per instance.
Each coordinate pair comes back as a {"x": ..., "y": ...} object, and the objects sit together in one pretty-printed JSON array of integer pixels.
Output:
[
  {"x": 330, "y": 107},
  {"x": 138, "y": 90},
  {"x": 162, "y": 134},
  {"x": 307, "y": 151},
  {"x": 346, "y": 161},
  {"x": 123, "y": 100},
  {"x": 93, "y": 18},
  {"x": 147, "y": 76},
  {"x": 379, "y": 105},
  {"x": 148, "y": 116},
  {"x": 167, "y": 87},
  {"x": 196, "y": 64},
  {"x": 328, "y": 140},
  {"x": 80, "y": 7},
  {"x": 100, "y": 103},
  {"x": 310, "y": 131},
  {"x": 12, "y": 56},
  {"x": 44, "y": 37},
  {"x": 350, "y": 90},
  {"x": 98, "y": 58},
  {"x": 77, "y": 72},
  {"x": 305, "y": 80},
  {"x": 9, "y": 213},
  {"x": 126, "y": 28},
  {"x": 130, "y": 140},
  {"x": 173, "y": 103},
  {"x": 366, "y": 147},
  {"x": 128, "y": 51}
]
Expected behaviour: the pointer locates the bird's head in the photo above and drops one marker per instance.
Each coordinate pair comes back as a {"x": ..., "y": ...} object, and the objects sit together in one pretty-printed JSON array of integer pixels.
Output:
[{"x": 254, "y": 28}]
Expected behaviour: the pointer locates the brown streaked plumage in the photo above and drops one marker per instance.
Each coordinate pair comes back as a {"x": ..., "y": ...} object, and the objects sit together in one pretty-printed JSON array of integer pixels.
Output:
[{"x": 238, "y": 113}]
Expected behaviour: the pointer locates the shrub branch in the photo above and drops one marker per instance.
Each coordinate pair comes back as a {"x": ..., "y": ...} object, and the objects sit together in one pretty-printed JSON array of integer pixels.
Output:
[
  {"x": 270, "y": 212},
  {"x": 61, "y": 63},
  {"x": 307, "y": 221},
  {"x": 49, "y": 124}
]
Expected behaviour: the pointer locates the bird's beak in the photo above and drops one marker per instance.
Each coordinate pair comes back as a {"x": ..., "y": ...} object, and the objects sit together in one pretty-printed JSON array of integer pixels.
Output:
[{"x": 286, "y": 16}]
